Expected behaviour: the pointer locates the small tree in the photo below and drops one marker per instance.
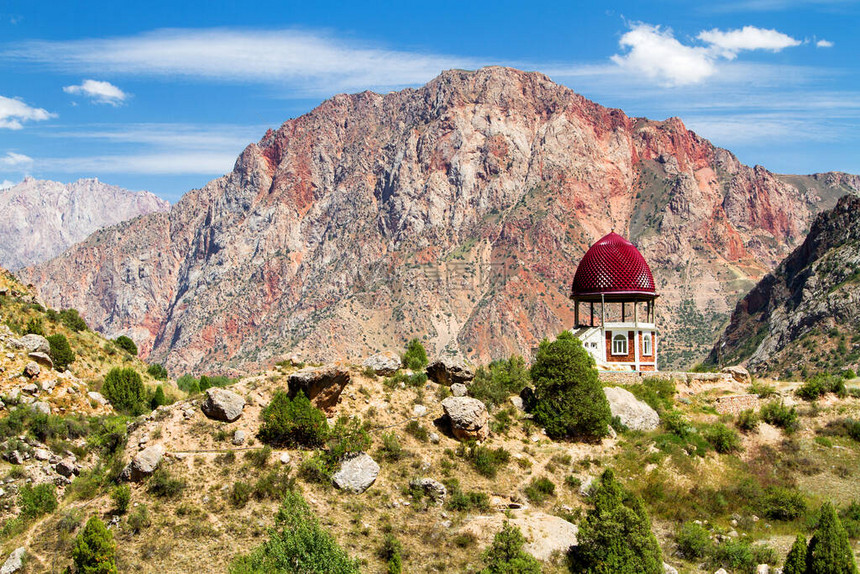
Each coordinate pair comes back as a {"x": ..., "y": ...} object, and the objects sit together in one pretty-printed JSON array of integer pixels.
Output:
[
  {"x": 569, "y": 400},
  {"x": 124, "y": 389},
  {"x": 121, "y": 495},
  {"x": 506, "y": 556},
  {"x": 616, "y": 537},
  {"x": 158, "y": 398},
  {"x": 126, "y": 344},
  {"x": 415, "y": 357},
  {"x": 95, "y": 550},
  {"x": 829, "y": 551},
  {"x": 34, "y": 327},
  {"x": 71, "y": 319},
  {"x": 293, "y": 422},
  {"x": 61, "y": 353},
  {"x": 795, "y": 562},
  {"x": 157, "y": 371}
]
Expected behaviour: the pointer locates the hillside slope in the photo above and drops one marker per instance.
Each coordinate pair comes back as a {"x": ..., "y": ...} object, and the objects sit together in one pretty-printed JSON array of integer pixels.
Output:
[
  {"x": 807, "y": 312},
  {"x": 42, "y": 218},
  {"x": 455, "y": 213}
]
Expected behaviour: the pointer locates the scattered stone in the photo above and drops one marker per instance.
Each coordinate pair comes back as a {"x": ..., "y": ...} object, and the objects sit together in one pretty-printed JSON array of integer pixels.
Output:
[
  {"x": 517, "y": 401},
  {"x": 419, "y": 410},
  {"x": 449, "y": 370},
  {"x": 459, "y": 390},
  {"x": 434, "y": 437},
  {"x": 585, "y": 486},
  {"x": 321, "y": 385},
  {"x": 667, "y": 569},
  {"x": 41, "y": 407},
  {"x": 32, "y": 343},
  {"x": 635, "y": 414},
  {"x": 42, "y": 358},
  {"x": 67, "y": 468},
  {"x": 762, "y": 569},
  {"x": 143, "y": 464},
  {"x": 97, "y": 397},
  {"x": 239, "y": 437},
  {"x": 432, "y": 488},
  {"x": 356, "y": 473},
  {"x": 385, "y": 363},
  {"x": 14, "y": 562},
  {"x": 721, "y": 571},
  {"x": 222, "y": 405},
  {"x": 468, "y": 417},
  {"x": 48, "y": 386},
  {"x": 14, "y": 457},
  {"x": 41, "y": 454},
  {"x": 32, "y": 370},
  {"x": 739, "y": 374},
  {"x": 285, "y": 458}
]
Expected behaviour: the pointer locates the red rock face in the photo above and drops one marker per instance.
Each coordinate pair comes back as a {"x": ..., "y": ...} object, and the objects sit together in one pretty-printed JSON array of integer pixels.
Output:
[{"x": 456, "y": 212}]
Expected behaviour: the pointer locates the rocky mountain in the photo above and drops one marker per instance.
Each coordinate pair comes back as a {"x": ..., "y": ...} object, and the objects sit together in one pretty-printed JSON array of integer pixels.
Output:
[
  {"x": 456, "y": 212},
  {"x": 807, "y": 312},
  {"x": 41, "y": 218}
]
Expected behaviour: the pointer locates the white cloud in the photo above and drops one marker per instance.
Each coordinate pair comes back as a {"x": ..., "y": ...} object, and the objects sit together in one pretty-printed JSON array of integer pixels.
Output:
[
  {"x": 6, "y": 184},
  {"x": 731, "y": 42},
  {"x": 15, "y": 160},
  {"x": 99, "y": 92},
  {"x": 307, "y": 60},
  {"x": 658, "y": 55},
  {"x": 168, "y": 163},
  {"x": 173, "y": 136},
  {"x": 14, "y": 112},
  {"x": 824, "y": 44}
]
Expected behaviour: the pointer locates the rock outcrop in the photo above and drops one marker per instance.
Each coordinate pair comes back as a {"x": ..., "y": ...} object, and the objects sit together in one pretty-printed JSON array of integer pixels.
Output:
[
  {"x": 321, "y": 385},
  {"x": 456, "y": 212},
  {"x": 356, "y": 473},
  {"x": 222, "y": 405},
  {"x": 810, "y": 304},
  {"x": 42, "y": 218},
  {"x": 634, "y": 414},
  {"x": 449, "y": 371},
  {"x": 143, "y": 464},
  {"x": 469, "y": 418},
  {"x": 385, "y": 364}
]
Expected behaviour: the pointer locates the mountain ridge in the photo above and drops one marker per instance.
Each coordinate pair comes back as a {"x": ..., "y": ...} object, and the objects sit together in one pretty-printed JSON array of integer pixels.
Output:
[{"x": 455, "y": 212}]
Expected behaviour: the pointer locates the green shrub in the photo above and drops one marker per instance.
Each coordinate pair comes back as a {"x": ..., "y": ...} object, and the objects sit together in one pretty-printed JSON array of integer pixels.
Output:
[
  {"x": 61, "y": 353},
  {"x": 274, "y": 484},
  {"x": 71, "y": 319},
  {"x": 795, "y": 562},
  {"x": 124, "y": 389},
  {"x": 139, "y": 518},
  {"x": 615, "y": 535},
  {"x": 315, "y": 469},
  {"x": 674, "y": 422},
  {"x": 391, "y": 552},
  {"x": 762, "y": 390},
  {"x": 499, "y": 380},
  {"x": 391, "y": 450},
  {"x": 95, "y": 550},
  {"x": 157, "y": 372},
  {"x": 722, "y": 438},
  {"x": 348, "y": 436},
  {"x": 464, "y": 501},
  {"x": 296, "y": 544},
  {"x": 783, "y": 503},
  {"x": 569, "y": 400},
  {"x": 693, "y": 540},
  {"x": 259, "y": 457},
  {"x": 539, "y": 489},
  {"x": 121, "y": 495},
  {"x": 658, "y": 393},
  {"x": 485, "y": 460},
  {"x": 163, "y": 485},
  {"x": 747, "y": 420},
  {"x": 820, "y": 385},
  {"x": 240, "y": 494},
  {"x": 188, "y": 384},
  {"x": 506, "y": 555},
  {"x": 777, "y": 414},
  {"x": 415, "y": 357},
  {"x": 126, "y": 344},
  {"x": 293, "y": 422},
  {"x": 829, "y": 550},
  {"x": 415, "y": 429},
  {"x": 34, "y": 501},
  {"x": 34, "y": 327},
  {"x": 415, "y": 380},
  {"x": 850, "y": 517},
  {"x": 158, "y": 398}
]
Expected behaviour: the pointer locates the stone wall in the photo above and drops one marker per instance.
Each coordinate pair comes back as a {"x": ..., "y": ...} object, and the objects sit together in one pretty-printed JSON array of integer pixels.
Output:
[
  {"x": 632, "y": 378},
  {"x": 733, "y": 404}
]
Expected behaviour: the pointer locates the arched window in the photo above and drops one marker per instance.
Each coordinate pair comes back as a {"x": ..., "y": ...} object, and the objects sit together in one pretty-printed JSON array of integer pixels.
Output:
[
  {"x": 619, "y": 344},
  {"x": 646, "y": 344}
]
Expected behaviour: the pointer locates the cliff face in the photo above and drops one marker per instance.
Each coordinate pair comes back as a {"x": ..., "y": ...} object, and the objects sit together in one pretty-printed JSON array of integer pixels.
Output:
[
  {"x": 39, "y": 219},
  {"x": 806, "y": 314},
  {"x": 456, "y": 212}
]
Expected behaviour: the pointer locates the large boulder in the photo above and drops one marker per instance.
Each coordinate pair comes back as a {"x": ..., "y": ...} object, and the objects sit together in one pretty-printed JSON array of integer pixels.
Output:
[
  {"x": 356, "y": 473},
  {"x": 42, "y": 358},
  {"x": 635, "y": 414},
  {"x": 143, "y": 464},
  {"x": 449, "y": 370},
  {"x": 32, "y": 370},
  {"x": 31, "y": 343},
  {"x": 469, "y": 418},
  {"x": 15, "y": 561},
  {"x": 321, "y": 385},
  {"x": 739, "y": 374},
  {"x": 385, "y": 363},
  {"x": 432, "y": 488},
  {"x": 222, "y": 405}
]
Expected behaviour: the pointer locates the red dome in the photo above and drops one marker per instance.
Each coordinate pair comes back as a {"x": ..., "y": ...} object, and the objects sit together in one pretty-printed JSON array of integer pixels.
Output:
[{"x": 613, "y": 266}]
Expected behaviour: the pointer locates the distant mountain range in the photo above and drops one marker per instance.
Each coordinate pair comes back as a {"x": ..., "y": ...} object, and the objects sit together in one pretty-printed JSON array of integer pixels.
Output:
[
  {"x": 806, "y": 314},
  {"x": 39, "y": 219},
  {"x": 456, "y": 213}
]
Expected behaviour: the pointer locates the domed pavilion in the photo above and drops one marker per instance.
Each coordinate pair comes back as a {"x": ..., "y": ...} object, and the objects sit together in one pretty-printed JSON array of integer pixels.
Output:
[{"x": 613, "y": 295}]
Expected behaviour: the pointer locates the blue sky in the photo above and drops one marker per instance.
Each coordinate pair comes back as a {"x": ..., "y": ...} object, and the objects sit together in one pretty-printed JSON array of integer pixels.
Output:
[{"x": 164, "y": 95}]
